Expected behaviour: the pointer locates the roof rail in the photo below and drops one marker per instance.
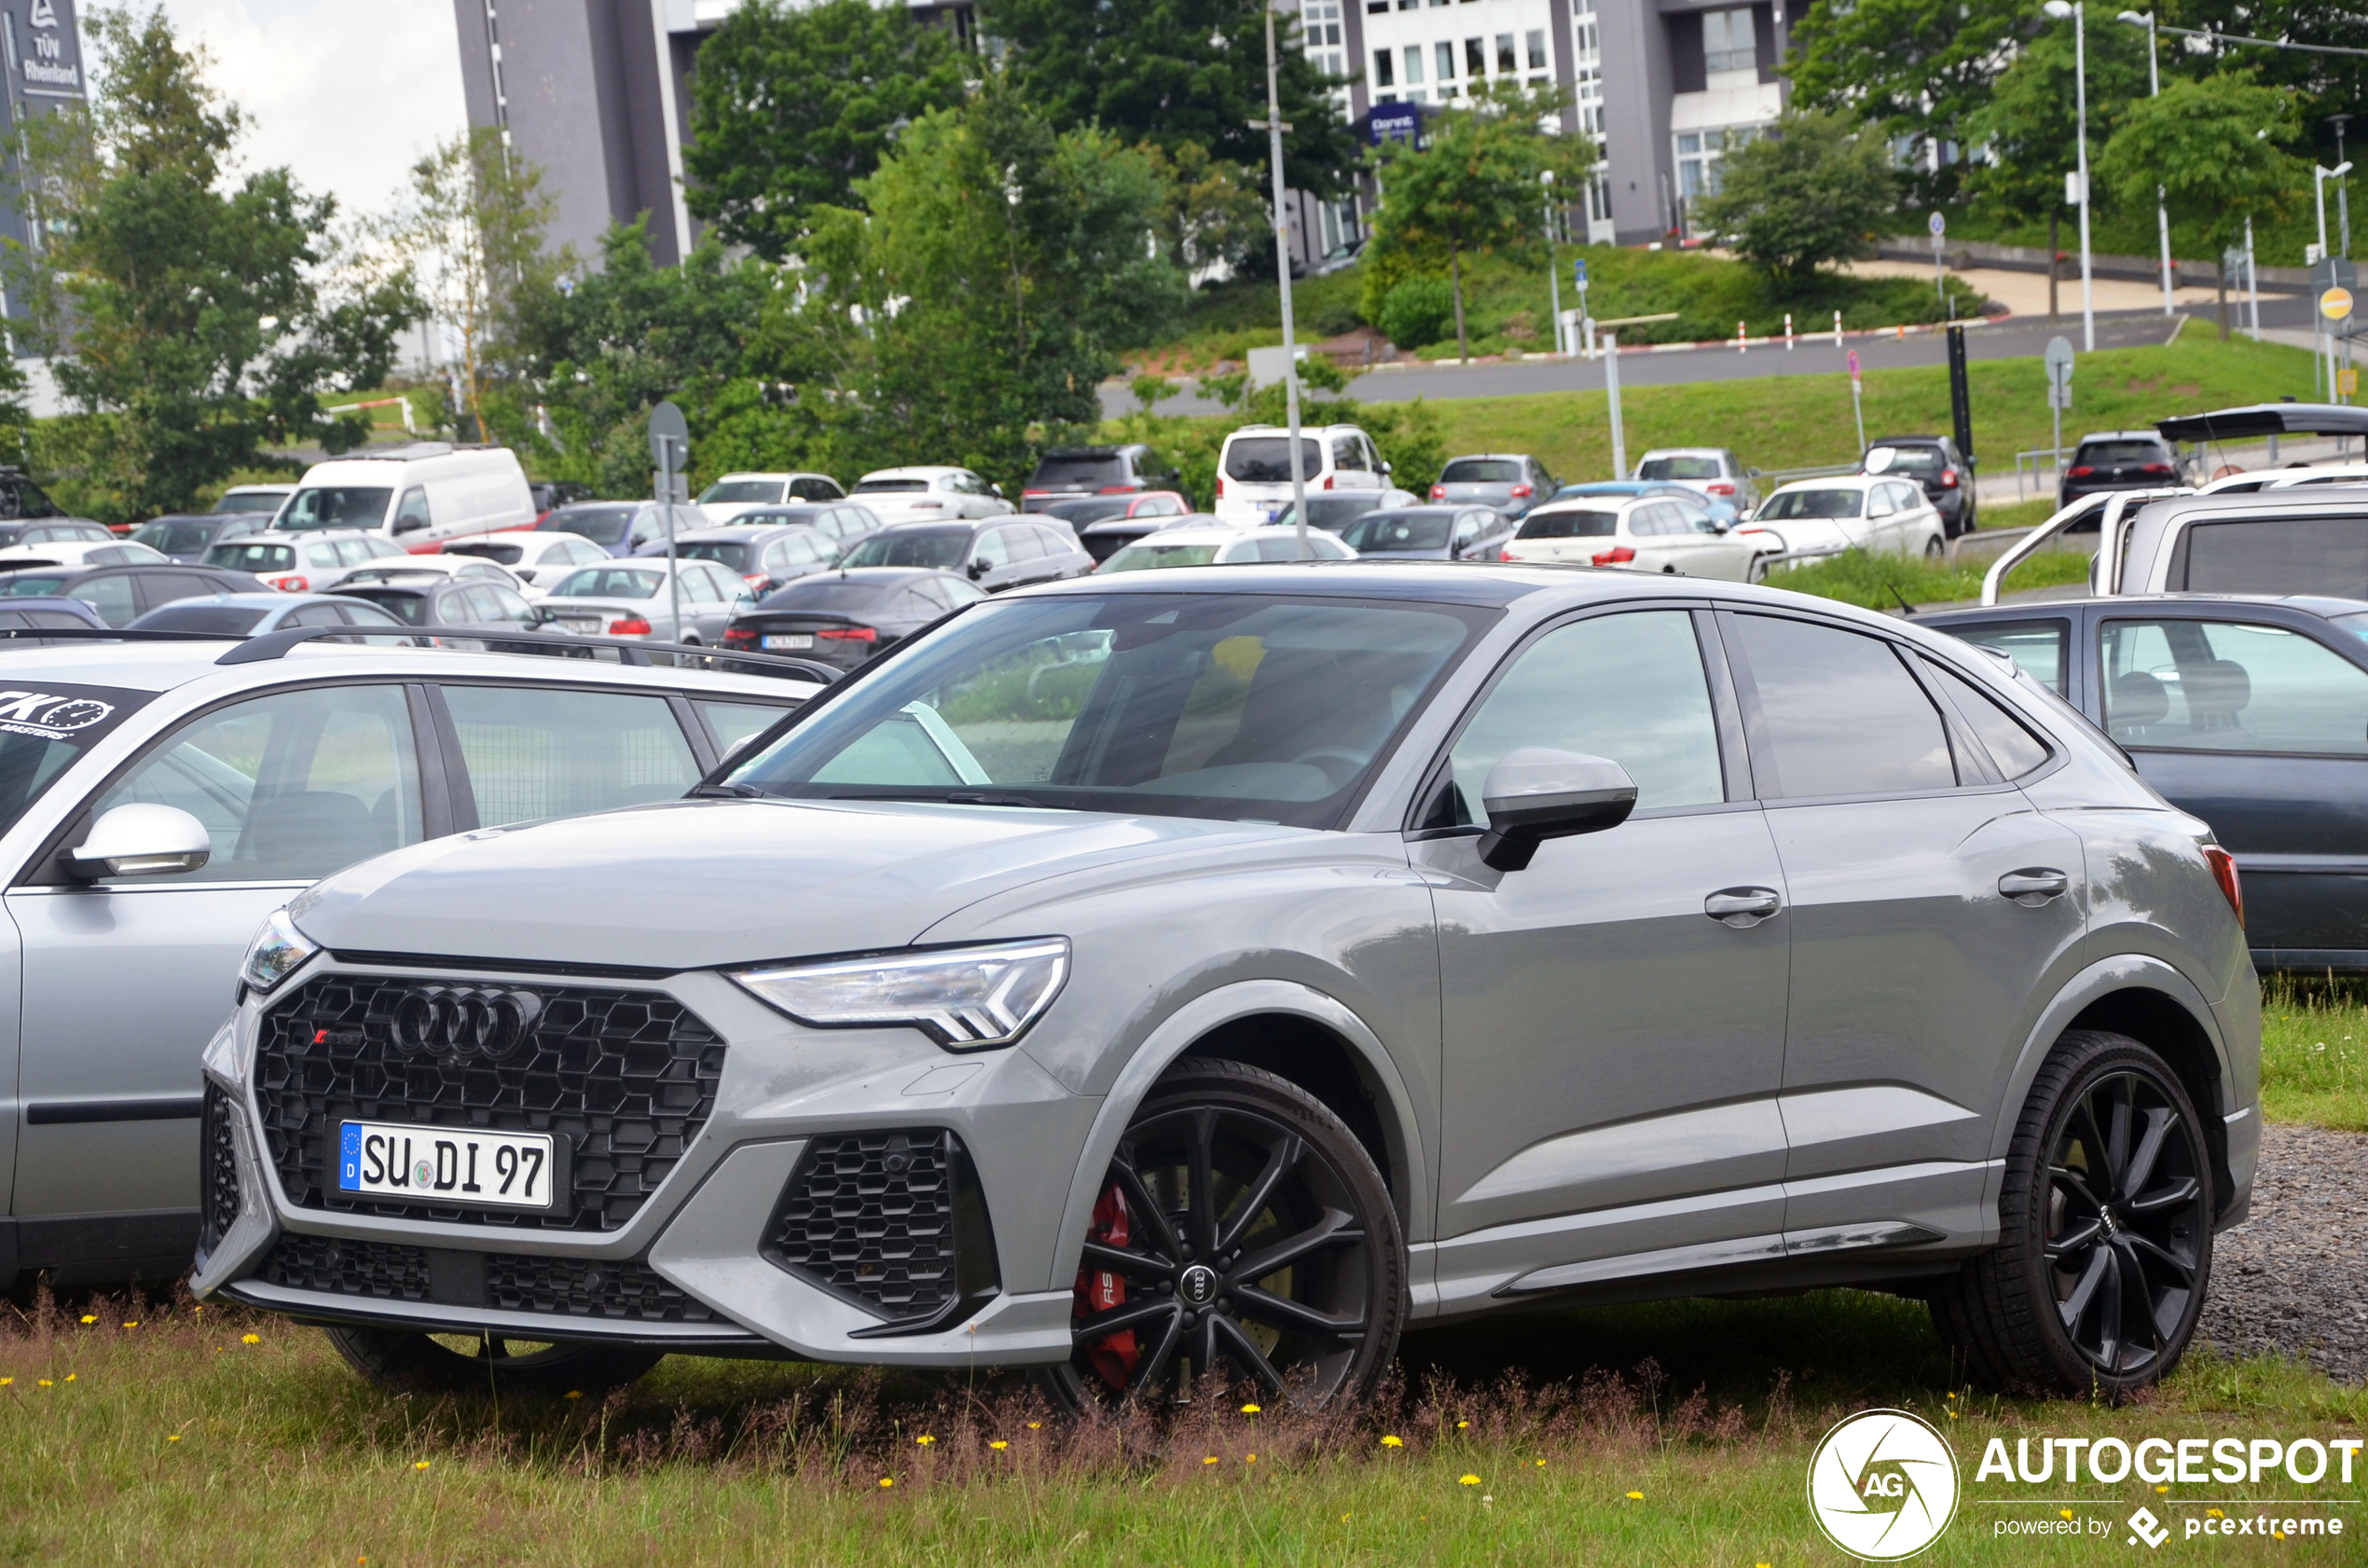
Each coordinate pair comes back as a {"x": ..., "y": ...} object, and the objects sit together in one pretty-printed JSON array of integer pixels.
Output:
[
  {"x": 2109, "y": 534},
  {"x": 275, "y": 645}
]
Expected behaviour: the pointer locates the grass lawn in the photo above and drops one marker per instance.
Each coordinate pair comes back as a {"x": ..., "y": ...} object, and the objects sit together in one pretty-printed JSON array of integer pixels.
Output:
[
  {"x": 2314, "y": 1053},
  {"x": 1881, "y": 581},
  {"x": 1676, "y": 1435}
]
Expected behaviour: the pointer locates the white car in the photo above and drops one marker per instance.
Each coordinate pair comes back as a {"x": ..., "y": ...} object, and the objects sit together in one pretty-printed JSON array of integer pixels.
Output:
[
  {"x": 253, "y": 498},
  {"x": 82, "y": 552},
  {"x": 305, "y": 563},
  {"x": 734, "y": 493},
  {"x": 473, "y": 568},
  {"x": 1709, "y": 470},
  {"x": 1813, "y": 518},
  {"x": 930, "y": 495},
  {"x": 631, "y": 599},
  {"x": 1665, "y": 533},
  {"x": 529, "y": 554},
  {"x": 1217, "y": 544},
  {"x": 1254, "y": 469}
]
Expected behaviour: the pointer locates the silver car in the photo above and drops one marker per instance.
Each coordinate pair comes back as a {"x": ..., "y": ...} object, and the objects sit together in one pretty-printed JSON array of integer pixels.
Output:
[
  {"x": 1214, "y": 973},
  {"x": 635, "y": 598},
  {"x": 236, "y": 776},
  {"x": 1511, "y": 482}
]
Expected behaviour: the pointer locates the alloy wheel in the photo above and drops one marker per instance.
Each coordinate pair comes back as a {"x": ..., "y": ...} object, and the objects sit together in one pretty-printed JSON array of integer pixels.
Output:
[{"x": 2124, "y": 1216}]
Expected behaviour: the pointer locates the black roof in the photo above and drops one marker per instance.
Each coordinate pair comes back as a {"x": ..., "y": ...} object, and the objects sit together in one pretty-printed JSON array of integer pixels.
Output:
[{"x": 2266, "y": 419}]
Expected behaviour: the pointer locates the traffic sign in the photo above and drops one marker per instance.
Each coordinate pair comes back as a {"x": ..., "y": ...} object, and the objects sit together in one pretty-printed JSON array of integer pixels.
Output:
[
  {"x": 1579, "y": 272},
  {"x": 1937, "y": 224},
  {"x": 669, "y": 437},
  {"x": 2347, "y": 381},
  {"x": 2335, "y": 304},
  {"x": 2060, "y": 361},
  {"x": 1853, "y": 364}
]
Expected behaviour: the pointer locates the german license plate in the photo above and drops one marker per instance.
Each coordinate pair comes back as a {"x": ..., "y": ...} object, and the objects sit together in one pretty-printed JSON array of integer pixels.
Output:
[
  {"x": 790, "y": 640},
  {"x": 444, "y": 1164},
  {"x": 581, "y": 626}
]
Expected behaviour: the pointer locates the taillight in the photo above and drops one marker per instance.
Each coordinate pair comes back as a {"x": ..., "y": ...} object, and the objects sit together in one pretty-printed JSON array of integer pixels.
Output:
[
  {"x": 1438, "y": 492},
  {"x": 849, "y": 634},
  {"x": 2078, "y": 471},
  {"x": 1520, "y": 492},
  {"x": 1328, "y": 480},
  {"x": 2156, "y": 468},
  {"x": 755, "y": 580},
  {"x": 1220, "y": 487},
  {"x": 1116, "y": 489},
  {"x": 739, "y": 637},
  {"x": 632, "y": 625},
  {"x": 2224, "y": 871},
  {"x": 1947, "y": 478},
  {"x": 1719, "y": 487},
  {"x": 292, "y": 585},
  {"x": 1616, "y": 555}
]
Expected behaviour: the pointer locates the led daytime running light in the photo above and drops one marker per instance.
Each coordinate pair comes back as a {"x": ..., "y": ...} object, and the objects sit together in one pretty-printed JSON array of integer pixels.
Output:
[{"x": 965, "y": 998}]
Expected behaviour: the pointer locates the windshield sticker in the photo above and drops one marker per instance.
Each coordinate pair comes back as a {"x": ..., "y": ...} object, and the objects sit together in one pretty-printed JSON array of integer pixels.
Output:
[{"x": 49, "y": 713}]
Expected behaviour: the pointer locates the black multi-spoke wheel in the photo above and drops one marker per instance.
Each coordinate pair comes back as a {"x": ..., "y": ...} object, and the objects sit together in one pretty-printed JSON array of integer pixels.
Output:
[
  {"x": 1242, "y": 1234},
  {"x": 2105, "y": 1244},
  {"x": 401, "y": 1361}
]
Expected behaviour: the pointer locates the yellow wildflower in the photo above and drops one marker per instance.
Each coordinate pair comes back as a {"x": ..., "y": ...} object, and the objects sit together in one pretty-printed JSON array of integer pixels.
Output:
[
  {"x": 924, "y": 1439},
  {"x": 1461, "y": 1424},
  {"x": 888, "y": 1480},
  {"x": 2064, "y": 1512},
  {"x": 1636, "y": 1497},
  {"x": 1210, "y": 1460},
  {"x": 134, "y": 1324},
  {"x": 2162, "y": 1489},
  {"x": 1393, "y": 1442},
  {"x": 1251, "y": 1460},
  {"x": 45, "y": 1382},
  {"x": 172, "y": 1436},
  {"x": 1467, "y": 1480},
  {"x": 422, "y": 1464},
  {"x": 1035, "y": 1426},
  {"x": 6, "y": 1381},
  {"x": 1249, "y": 1409},
  {"x": 1541, "y": 1465},
  {"x": 999, "y": 1445},
  {"x": 71, "y": 1376},
  {"x": 89, "y": 1317},
  {"x": 250, "y": 1338},
  {"x": 573, "y": 1394}
]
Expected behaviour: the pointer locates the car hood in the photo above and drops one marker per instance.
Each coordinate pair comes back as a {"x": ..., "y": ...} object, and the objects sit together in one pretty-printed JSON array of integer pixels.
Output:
[{"x": 693, "y": 884}]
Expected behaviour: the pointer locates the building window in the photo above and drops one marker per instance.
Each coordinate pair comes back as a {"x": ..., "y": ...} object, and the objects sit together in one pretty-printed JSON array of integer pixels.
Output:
[
  {"x": 1414, "y": 64},
  {"x": 1376, "y": 8},
  {"x": 1475, "y": 57},
  {"x": 1505, "y": 63},
  {"x": 1728, "y": 41},
  {"x": 1537, "y": 49},
  {"x": 1382, "y": 75},
  {"x": 1444, "y": 53}
]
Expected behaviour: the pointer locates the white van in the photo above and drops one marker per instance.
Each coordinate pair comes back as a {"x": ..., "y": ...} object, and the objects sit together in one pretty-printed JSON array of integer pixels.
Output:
[
  {"x": 1254, "y": 468},
  {"x": 417, "y": 495}
]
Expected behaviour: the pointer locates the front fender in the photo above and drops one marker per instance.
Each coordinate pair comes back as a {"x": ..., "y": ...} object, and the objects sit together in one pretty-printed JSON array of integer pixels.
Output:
[{"x": 1177, "y": 1033}]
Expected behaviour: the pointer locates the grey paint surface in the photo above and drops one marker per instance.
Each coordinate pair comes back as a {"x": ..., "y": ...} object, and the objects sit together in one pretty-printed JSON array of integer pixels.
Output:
[{"x": 1562, "y": 1045}]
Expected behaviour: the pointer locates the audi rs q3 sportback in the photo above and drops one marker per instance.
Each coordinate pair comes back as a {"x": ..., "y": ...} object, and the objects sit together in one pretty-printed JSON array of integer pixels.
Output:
[{"x": 1214, "y": 973}]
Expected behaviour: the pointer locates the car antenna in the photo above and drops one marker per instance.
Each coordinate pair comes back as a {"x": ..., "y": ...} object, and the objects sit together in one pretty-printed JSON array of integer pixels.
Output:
[{"x": 1906, "y": 607}]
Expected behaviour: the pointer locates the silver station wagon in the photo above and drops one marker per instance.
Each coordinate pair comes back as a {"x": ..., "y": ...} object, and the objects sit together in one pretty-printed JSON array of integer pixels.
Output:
[{"x": 1208, "y": 975}]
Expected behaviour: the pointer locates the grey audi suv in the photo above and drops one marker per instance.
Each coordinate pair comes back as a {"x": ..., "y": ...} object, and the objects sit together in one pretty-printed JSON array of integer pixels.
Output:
[{"x": 1209, "y": 974}]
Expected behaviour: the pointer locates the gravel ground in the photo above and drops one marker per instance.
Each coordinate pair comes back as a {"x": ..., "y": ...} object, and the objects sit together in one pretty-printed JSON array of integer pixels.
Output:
[{"x": 2293, "y": 1280}]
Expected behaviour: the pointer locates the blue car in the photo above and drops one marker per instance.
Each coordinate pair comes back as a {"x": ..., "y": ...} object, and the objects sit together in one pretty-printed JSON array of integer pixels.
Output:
[{"x": 1721, "y": 512}]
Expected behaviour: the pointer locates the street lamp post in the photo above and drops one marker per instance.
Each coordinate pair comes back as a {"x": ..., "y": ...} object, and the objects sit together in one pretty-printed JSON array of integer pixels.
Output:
[
  {"x": 2319, "y": 175},
  {"x": 2072, "y": 8},
  {"x": 1554, "y": 275},
  {"x": 1273, "y": 127},
  {"x": 2343, "y": 191},
  {"x": 2154, "y": 89}
]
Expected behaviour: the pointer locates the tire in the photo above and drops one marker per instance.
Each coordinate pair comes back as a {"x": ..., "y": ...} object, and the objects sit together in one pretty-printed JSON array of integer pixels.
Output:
[
  {"x": 1294, "y": 1197},
  {"x": 2092, "y": 1289},
  {"x": 402, "y": 1362},
  {"x": 1933, "y": 549}
]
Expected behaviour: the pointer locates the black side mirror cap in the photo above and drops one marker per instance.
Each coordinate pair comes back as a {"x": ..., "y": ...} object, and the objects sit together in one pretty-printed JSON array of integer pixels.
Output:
[{"x": 1537, "y": 792}]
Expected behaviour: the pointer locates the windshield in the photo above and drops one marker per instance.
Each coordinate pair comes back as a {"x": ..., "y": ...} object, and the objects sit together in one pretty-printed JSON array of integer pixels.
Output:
[
  {"x": 1146, "y": 558},
  {"x": 251, "y": 557},
  {"x": 1481, "y": 471},
  {"x": 1329, "y": 513},
  {"x": 833, "y": 592},
  {"x": 1813, "y": 504},
  {"x": 1903, "y": 460},
  {"x": 611, "y": 581},
  {"x": 409, "y": 609},
  {"x": 724, "y": 552},
  {"x": 29, "y": 584},
  {"x": 2119, "y": 454},
  {"x": 230, "y": 620},
  {"x": 764, "y": 491},
  {"x": 937, "y": 549},
  {"x": 1266, "y": 459},
  {"x": 1190, "y": 705},
  {"x": 2276, "y": 556},
  {"x": 43, "y": 731},
  {"x": 175, "y": 539},
  {"x": 1083, "y": 512},
  {"x": 1397, "y": 530},
  {"x": 1078, "y": 470},
  {"x": 253, "y": 501},
  {"x": 336, "y": 506},
  {"x": 887, "y": 487},
  {"x": 1678, "y": 468},
  {"x": 602, "y": 525},
  {"x": 1570, "y": 524}
]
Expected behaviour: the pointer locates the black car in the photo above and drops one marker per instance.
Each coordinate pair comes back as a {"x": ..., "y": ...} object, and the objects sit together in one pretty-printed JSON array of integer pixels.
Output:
[
  {"x": 2117, "y": 460},
  {"x": 996, "y": 553},
  {"x": 187, "y": 536},
  {"x": 1933, "y": 461},
  {"x": 456, "y": 604},
  {"x": 2250, "y": 712},
  {"x": 1432, "y": 533},
  {"x": 1103, "y": 540},
  {"x": 842, "y": 618},
  {"x": 1073, "y": 471},
  {"x": 763, "y": 555},
  {"x": 122, "y": 594}
]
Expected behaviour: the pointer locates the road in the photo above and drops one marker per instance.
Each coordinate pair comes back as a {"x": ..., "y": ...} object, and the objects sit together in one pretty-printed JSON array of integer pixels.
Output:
[{"x": 2015, "y": 337}]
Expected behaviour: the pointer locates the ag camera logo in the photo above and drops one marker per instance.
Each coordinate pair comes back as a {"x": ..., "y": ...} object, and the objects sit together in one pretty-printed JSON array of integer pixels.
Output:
[{"x": 1883, "y": 1485}]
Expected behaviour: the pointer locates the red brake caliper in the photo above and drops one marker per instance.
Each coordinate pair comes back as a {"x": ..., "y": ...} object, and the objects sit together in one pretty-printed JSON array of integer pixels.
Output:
[{"x": 1098, "y": 1290}]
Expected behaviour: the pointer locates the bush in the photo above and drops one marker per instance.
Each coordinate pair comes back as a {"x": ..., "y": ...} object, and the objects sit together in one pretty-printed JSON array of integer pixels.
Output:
[
  {"x": 1331, "y": 320},
  {"x": 1417, "y": 312}
]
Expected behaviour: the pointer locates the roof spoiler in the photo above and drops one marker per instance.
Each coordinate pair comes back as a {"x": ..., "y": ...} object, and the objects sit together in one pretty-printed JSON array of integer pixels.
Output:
[{"x": 2265, "y": 419}]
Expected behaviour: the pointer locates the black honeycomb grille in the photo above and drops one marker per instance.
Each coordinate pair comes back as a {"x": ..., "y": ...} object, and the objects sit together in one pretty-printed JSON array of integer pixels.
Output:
[
  {"x": 218, "y": 1173},
  {"x": 872, "y": 1215},
  {"x": 622, "y": 1080},
  {"x": 631, "y": 1291},
  {"x": 381, "y": 1271}
]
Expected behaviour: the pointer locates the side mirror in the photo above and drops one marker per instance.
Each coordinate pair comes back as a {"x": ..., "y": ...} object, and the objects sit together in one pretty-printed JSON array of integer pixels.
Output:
[
  {"x": 142, "y": 839},
  {"x": 1537, "y": 793},
  {"x": 409, "y": 525},
  {"x": 996, "y": 488},
  {"x": 977, "y": 570},
  {"x": 1387, "y": 471}
]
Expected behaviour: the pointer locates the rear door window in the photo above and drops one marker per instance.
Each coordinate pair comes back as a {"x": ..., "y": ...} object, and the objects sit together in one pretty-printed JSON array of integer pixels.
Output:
[
  {"x": 2275, "y": 555},
  {"x": 2006, "y": 738},
  {"x": 2038, "y": 648},
  {"x": 533, "y": 751},
  {"x": 733, "y": 724},
  {"x": 2231, "y": 686},
  {"x": 1838, "y": 714},
  {"x": 110, "y": 593}
]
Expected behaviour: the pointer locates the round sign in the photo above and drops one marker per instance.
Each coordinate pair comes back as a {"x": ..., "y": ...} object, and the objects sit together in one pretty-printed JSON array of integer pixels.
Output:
[
  {"x": 1853, "y": 364},
  {"x": 1883, "y": 1485},
  {"x": 2335, "y": 304},
  {"x": 1938, "y": 224}
]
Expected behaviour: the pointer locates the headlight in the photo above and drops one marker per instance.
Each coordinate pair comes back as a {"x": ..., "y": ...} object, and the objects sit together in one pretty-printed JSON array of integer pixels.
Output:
[
  {"x": 965, "y": 998},
  {"x": 277, "y": 950}
]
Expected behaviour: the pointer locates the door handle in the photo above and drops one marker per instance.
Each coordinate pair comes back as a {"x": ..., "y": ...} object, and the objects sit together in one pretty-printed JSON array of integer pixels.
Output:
[
  {"x": 1742, "y": 907},
  {"x": 2033, "y": 885}
]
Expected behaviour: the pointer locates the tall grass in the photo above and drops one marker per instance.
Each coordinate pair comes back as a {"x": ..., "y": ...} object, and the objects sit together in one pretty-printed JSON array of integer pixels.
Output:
[
  {"x": 1886, "y": 582},
  {"x": 2314, "y": 1051}
]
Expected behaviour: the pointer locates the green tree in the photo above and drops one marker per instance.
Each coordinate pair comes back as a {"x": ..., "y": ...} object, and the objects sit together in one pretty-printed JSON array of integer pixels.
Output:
[
  {"x": 2202, "y": 143},
  {"x": 791, "y": 104},
  {"x": 193, "y": 320},
  {"x": 1170, "y": 71},
  {"x": 2029, "y": 124},
  {"x": 1473, "y": 186},
  {"x": 1814, "y": 189},
  {"x": 1211, "y": 214},
  {"x": 1915, "y": 68}
]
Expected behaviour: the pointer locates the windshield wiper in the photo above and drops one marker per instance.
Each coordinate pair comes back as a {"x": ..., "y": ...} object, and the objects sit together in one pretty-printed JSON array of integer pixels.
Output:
[{"x": 957, "y": 797}]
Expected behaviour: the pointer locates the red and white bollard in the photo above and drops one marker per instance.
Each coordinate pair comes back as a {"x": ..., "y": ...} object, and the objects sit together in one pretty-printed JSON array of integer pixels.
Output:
[
  {"x": 1788, "y": 332},
  {"x": 1838, "y": 329},
  {"x": 1741, "y": 341}
]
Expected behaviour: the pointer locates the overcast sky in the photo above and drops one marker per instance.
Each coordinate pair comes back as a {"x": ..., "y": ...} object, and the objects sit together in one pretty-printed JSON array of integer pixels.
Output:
[{"x": 346, "y": 92}]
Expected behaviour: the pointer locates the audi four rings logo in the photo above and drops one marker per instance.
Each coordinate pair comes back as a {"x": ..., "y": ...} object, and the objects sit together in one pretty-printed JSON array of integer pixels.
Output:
[{"x": 455, "y": 1021}]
